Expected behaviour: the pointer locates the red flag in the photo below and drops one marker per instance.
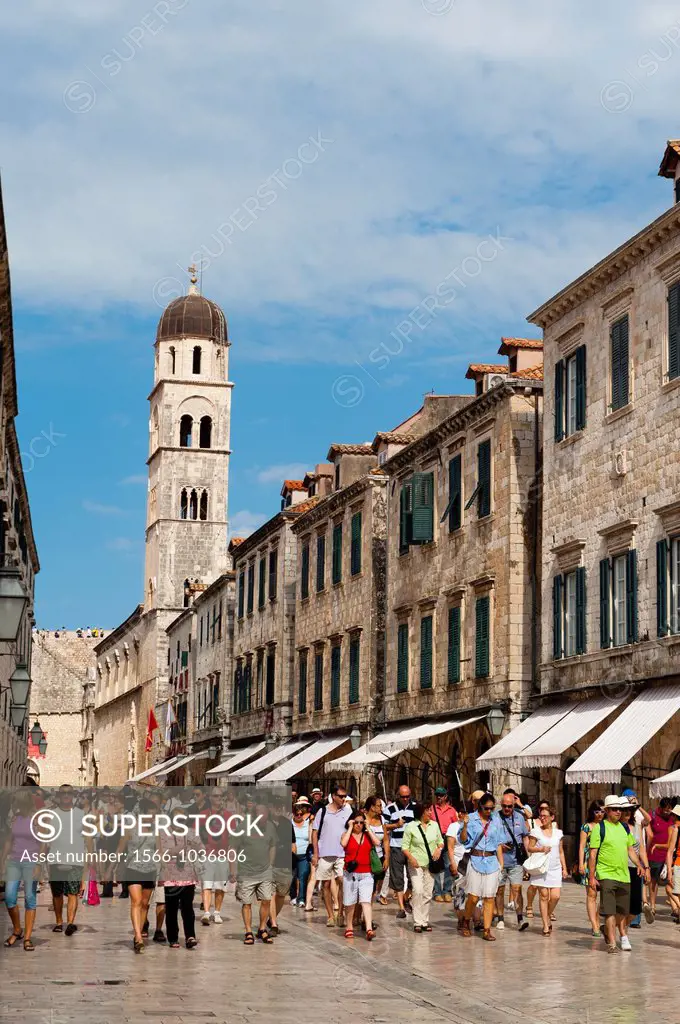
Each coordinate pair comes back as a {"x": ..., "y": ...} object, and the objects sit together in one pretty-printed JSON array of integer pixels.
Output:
[{"x": 151, "y": 729}]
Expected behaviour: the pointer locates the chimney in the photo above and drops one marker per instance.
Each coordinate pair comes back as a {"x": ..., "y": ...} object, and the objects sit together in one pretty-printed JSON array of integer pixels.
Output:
[{"x": 670, "y": 166}]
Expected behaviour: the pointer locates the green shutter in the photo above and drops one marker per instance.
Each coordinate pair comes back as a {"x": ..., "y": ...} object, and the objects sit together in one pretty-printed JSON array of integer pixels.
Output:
[
  {"x": 581, "y": 610},
  {"x": 405, "y": 517},
  {"x": 402, "y": 657},
  {"x": 354, "y": 655},
  {"x": 619, "y": 363},
  {"x": 581, "y": 387},
  {"x": 455, "y": 494},
  {"x": 484, "y": 479},
  {"x": 631, "y": 597},
  {"x": 559, "y": 400},
  {"x": 335, "y": 675},
  {"x": 273, "y": 574},
  {"x": 241, "y": 593},
  {"x": 320, "y": 562},
  {"x": 662, "y": 624},
  {"x": 674, "y": 331},
  {"x": 605, "y": 596},
  {"x": 426, "y": 652},
  {"x": 304, "y": 582},
  {"x": 302, "y": 683},
  {"x": 355, "y": 548},
  {"x": 262, "y": 596},
  {"x": 558, "y": 616},
  {"x": 423, "y": 508},
  {"x": 482, "y": 637},
  {"x": 453, "y": 674},
  {"x": 337, "y": 554},
  {"x": 251, "y": 587},
  {"x": 318, "y": 681}
]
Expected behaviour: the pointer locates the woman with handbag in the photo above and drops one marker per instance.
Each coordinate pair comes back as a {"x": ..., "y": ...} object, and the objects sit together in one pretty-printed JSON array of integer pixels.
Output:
[
  {"x": 357, "y": 884},
  {"x": 422, "y": 845},
  {"x": 546, "y": 865},
  {"x": 483, "y": 837}
]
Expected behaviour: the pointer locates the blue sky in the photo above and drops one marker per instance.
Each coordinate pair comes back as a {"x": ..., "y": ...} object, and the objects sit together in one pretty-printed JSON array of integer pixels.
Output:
[{"x": 136, "y": 135}]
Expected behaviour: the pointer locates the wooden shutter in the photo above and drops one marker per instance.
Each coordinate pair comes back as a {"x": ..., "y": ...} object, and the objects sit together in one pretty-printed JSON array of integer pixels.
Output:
[
  {"x": 354, "y": 655},
  {"x": 251, "y": 587},
  {"x": 402, "y": 657},
  {"x": 580, "y": 610},
  {"x": 405, "y": 517},
  {"x": 453, "y": 674},
  {"x": 558, "y": 616},
  {"x": 320, "y": 562},
  {"x": 302, "y": 683},
  {"x": 423, "y": 508},
  {"x": 619, "y": 361},
  {"x": 262, "y": 596},
  {"x": 662, "y": 624},
  {"x": 273, "y": 573},
  {"x": 335, "y": 675},
  {"x": 337, "y": 554},
  {"x": 318, "y": 681},
  {"x": 674, "y": 331},
  {"x": 271, "y": 677},
  {"x": 482, "y": 637},
  {"x": 355, "y": 549},
  {"x": 559, "y": 400},
  {"x": 605, "y": 599},
  {"x": 631, "y": 597},
  {"x": 455, "y": 494},
  {"x": 241, "y": 593},
  {"x": 581, "y": 387},
  {"x": 426, "y": 652},
  {"x": 304, "y": 582},
  {"x": 484, "y": 478}
]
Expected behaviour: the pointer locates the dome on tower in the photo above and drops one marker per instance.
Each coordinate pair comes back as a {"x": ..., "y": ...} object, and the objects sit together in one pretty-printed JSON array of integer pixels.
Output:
[{"x": 192, "y": 316}]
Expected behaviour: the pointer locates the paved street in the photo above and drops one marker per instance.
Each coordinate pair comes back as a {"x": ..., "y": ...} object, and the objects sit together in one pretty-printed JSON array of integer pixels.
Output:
[{"x": 312, "y": 974}]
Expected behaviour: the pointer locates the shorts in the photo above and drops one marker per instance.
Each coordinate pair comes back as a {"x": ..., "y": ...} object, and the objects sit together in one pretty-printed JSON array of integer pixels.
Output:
[
  {"x": 357, "y": 888},
  {"x": 282, "y": 880},
  {"x": 635, "y": 892},
  {"x": 66, "y": 886},
  {"x": 614, "y": 897},
  {"x": 655, "y": 869},
  {"x": 146, "y": 883},
  {"x": 400, "y": 877},
  {"x": 248, "y": 892},
  {"x": 330, "y": 867},
  {"x": 512, "y": 876},
  {"x": 676, "y": 881},
  {"x": 158, "y": 898},
  {"x": 221, "y": 886},
  {"x": 484, "y": 887}
]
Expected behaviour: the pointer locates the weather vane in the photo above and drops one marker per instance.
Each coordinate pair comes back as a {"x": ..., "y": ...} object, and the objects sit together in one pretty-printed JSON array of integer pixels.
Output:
[{"x": 194, "y": 280}]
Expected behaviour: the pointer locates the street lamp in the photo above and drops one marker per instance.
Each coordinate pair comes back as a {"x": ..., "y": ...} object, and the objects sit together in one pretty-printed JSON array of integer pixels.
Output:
[
  {"x": 18, "y": 714},
  {"x": 36, "y": 734},
  {"x": 212, "y": 753},
  {"x": 495, "y": 720},
  {"x": 13, "y": 602},
  {"x": 20, "y": 684},
  {"x": 42, "y": 746},
  {"x": 355, "y": 737}
]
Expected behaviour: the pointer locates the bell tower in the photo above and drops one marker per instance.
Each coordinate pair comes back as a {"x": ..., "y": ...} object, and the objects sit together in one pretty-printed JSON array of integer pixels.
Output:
[{"x": 189, "y": 428}]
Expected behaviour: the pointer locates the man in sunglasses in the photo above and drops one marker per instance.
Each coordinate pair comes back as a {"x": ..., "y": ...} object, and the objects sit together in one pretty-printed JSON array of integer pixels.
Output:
[
  {"x": 329, "y": 854},
  {"x": 515, "y": 852}
]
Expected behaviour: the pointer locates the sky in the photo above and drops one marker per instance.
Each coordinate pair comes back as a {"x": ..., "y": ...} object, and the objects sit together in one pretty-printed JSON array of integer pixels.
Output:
[{"x": 331, "y": 168}]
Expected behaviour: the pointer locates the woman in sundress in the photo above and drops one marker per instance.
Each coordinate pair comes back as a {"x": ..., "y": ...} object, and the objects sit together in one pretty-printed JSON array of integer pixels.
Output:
[{"x": 546, "y": 837}]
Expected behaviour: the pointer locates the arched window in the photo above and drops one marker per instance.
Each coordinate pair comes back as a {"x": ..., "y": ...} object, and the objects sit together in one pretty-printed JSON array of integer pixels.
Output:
[
  {"x": 675, "y": 763},
  {"x": 196, "y": 367},
  {"x": 203, "y": 514},
  {"x": 193, "y": 505},
  {"x": 205, "y": 433},
  {"x": 172, "y": 359},
  {"x": 185, "y": 427},
  {"x": 183, "y": 504}
]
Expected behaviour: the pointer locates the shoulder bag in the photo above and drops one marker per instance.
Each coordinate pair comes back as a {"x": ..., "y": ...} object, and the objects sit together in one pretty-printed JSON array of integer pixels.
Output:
[
  {"x": 537, "y": 863},
  {"x": 520, "y": 850},
  {"x": 465, "y": 859},
  {"x": 435, "y": 867}
]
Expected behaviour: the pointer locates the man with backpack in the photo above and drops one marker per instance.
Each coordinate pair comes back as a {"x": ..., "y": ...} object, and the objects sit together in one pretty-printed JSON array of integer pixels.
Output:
[{"x": 610, "y": 847}]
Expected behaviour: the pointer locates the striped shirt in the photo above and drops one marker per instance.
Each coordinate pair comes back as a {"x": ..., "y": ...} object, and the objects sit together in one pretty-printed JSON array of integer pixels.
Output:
[{"x": 392, "y": 814}]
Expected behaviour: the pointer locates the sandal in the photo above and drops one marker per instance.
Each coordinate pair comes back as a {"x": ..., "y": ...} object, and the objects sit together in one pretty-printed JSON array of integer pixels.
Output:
[
  {"x": 487, "y": 936},
  {"x": 174, "y": 945},
  {"x": 349, "y": 934},
  {"x": 530, "y": 912},
  {"x": 370, "y": 934},
  {"x": 58, "y": 928},
  {"x": 191, "y": 943},
  {"x": 13, "y": 939},
  {"x": 465, "y": 929},
  {"x": 138, "y": 946},
  {"x": 249, "y": 939},
  {"x": 273, "y": 929},
  {"x": 383, "y": 901},
  {"x": 264, "y": 936},
  {"x": 417, "y": 929},
  {"x": 547, "y": 931},
  {"x": 28, "y": 946},
  {"x": 427, "y": 927}
]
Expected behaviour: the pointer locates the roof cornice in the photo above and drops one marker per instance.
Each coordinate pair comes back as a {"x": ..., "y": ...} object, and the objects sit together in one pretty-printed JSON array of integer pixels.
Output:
[
  {"x": 337, "y": 500},
  {"x": 608, "y": 269}
]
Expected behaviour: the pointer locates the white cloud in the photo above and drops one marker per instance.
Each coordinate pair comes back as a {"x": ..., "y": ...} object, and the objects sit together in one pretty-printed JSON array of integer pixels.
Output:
[
  {"x": 103, "y": 510},
  {"x": 121, "y": 544},
  {"x": 277, "y": 474},
  {"x": 136, "y": 478},
  {"x": 243, "y": 523}
]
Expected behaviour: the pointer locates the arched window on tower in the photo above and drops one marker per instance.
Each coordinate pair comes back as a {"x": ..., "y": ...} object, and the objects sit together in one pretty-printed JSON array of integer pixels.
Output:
[
  {"x": 204, "y": 506},
  {"x": 205, "y": 434},
  {"x": 196, "y": 367},
  {"x": 184, "y": 504},
  {"x": 172, "y": 359},
  {"x": 193, "y": 505},
  {"x": 154, "y": 429},
  {"x": 186, "y": 425}
]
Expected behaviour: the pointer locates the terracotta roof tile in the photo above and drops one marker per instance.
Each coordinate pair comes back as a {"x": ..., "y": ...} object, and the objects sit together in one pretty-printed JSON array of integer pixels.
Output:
[
  {"x": 392, "y": 437},
  {"x": 293, "y": 485},
  {"x": 512, "y": 343},
  {"x": 349, "y": 449},
  {"x": 304, "y": 506},
  {"x": 475, "y": 368},
  {"x": 531, "y": 373}
]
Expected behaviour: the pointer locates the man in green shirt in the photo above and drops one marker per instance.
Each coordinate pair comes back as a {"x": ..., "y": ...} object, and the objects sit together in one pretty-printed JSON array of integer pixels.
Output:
[{"x": 610, "y": 844}]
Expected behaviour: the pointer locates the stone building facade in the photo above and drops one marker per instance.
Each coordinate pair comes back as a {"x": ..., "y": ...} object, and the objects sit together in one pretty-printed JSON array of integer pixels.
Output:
[{"x": 463, "y": 549}]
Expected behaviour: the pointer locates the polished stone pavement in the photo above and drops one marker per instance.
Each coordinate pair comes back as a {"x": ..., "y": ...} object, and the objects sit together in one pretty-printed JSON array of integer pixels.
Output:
[{"x": 312, "y": 974}]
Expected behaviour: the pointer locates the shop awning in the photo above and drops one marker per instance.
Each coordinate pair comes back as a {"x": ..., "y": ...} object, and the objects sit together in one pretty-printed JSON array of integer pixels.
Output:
[
  {"x": 289, "y": 769},
  {"x": 667, "y": 785},
  {"x": 410, "y": 737},
  {"x": 526, "y": 733},
  {"x": 150, "y": 772},
  {"x": 250, "y": 772},
  {"x": 635, "y": 726},
  {"x": 356, "y": 760},
  {"x": 238, "y": 757},
  {"x": 548, "y": 749},
  {"x": 178, "y": 763}
]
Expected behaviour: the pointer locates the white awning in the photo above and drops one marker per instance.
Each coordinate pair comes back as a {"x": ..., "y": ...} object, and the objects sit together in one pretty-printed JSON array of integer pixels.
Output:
[
  {"x": 155, "y": 770},
  {"x": 250, "y": 772},
  {"x": 526, "y": 733},
  {"x": 547, "y": 750},
  {"x": 304, "y": 759},
  {"x": 356, "y": 760},
  {"x": 667, "y": 785},
  {"x": 410, "y": 737},
  {"x": 178, "y": 763},
  {"x": 238, "y": 757},
  {"x": 635, "y": 726}
]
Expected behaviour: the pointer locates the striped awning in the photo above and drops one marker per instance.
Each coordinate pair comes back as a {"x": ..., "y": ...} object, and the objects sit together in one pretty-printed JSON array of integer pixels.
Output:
[
  {"x": 547, "y": 751},
  {"x": 302, "y": 760},
  {"x": 357, "y": 760},
  {"x": 635, "y": 726},
  {"x": 251, "y": 772},
  {"x": 237, "y": 757},
  {"x": 527, "y": 732},
  {"x": 667, "y": 785},
  {"x": 157, "y": 768},
  {"x": 410, "y": 737},
  {"x": 178, "y": 763}
]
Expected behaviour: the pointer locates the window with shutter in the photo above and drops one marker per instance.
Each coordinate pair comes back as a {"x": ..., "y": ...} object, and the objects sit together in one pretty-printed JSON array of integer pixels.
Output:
[
  {"x": 453, "y": 674},
  {"x": 273, "y": 573},
  {"x": 580, "y": 610},
  {"x": 262, "y": 593},
  {"x": 605, "y": 615},
  {"x": 335, "y": 675},
  {"x": 422, "y": 530},
  {"x": 402, "y": 657},
  {"x": 558, "y": 616},
  {"x": 259, "y": 679},
  {"x": 484, "y": 478},
  {"x": 318, "y": 681},
  {"x": 241, "y": 593},
  {"x": 674, "y": 331},
  {"x": 482, "y": 637},
  {"x": 337, "y": 553},
  {"x": 405, "y": 517},
  {"x": 426, "y": 652},
  {"x": 320, "y": 562},
  {"x": 355, "y": 546},
  {"x": 618, "y": 578},
  {"x": 354, "y": 664},
  {"x": 271, "y": 677},
  {"x": 570, "y": 614},
  {"x": 559, "y": 400},
  {"x": 304, "y": 579},
  {"x": 455, "y": 509},
  {"x": 581, "y": 387},
  {"x": 619, "y": 363},
  {"x": 631, "y": 597},
  {"x": 251, "y": 587},
  {"x": 674, "y": 575},
  {"x": 302, "y": 683}
]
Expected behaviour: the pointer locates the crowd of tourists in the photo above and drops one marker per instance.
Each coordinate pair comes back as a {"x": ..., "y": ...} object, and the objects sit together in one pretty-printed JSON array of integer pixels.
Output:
[{"x": 494, "y": 863}]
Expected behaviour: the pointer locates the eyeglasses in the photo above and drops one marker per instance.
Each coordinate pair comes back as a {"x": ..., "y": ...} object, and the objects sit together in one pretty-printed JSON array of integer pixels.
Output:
[
  {"x": 487, "y": 807},
  {"x": 507, "y": 807},
  {"x": 340, "y": 796},
  {"x": 359, "y": 821}
]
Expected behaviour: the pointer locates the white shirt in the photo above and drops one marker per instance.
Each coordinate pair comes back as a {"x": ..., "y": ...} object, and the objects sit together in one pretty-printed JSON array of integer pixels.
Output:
[{"x": 454, "y": 831}]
